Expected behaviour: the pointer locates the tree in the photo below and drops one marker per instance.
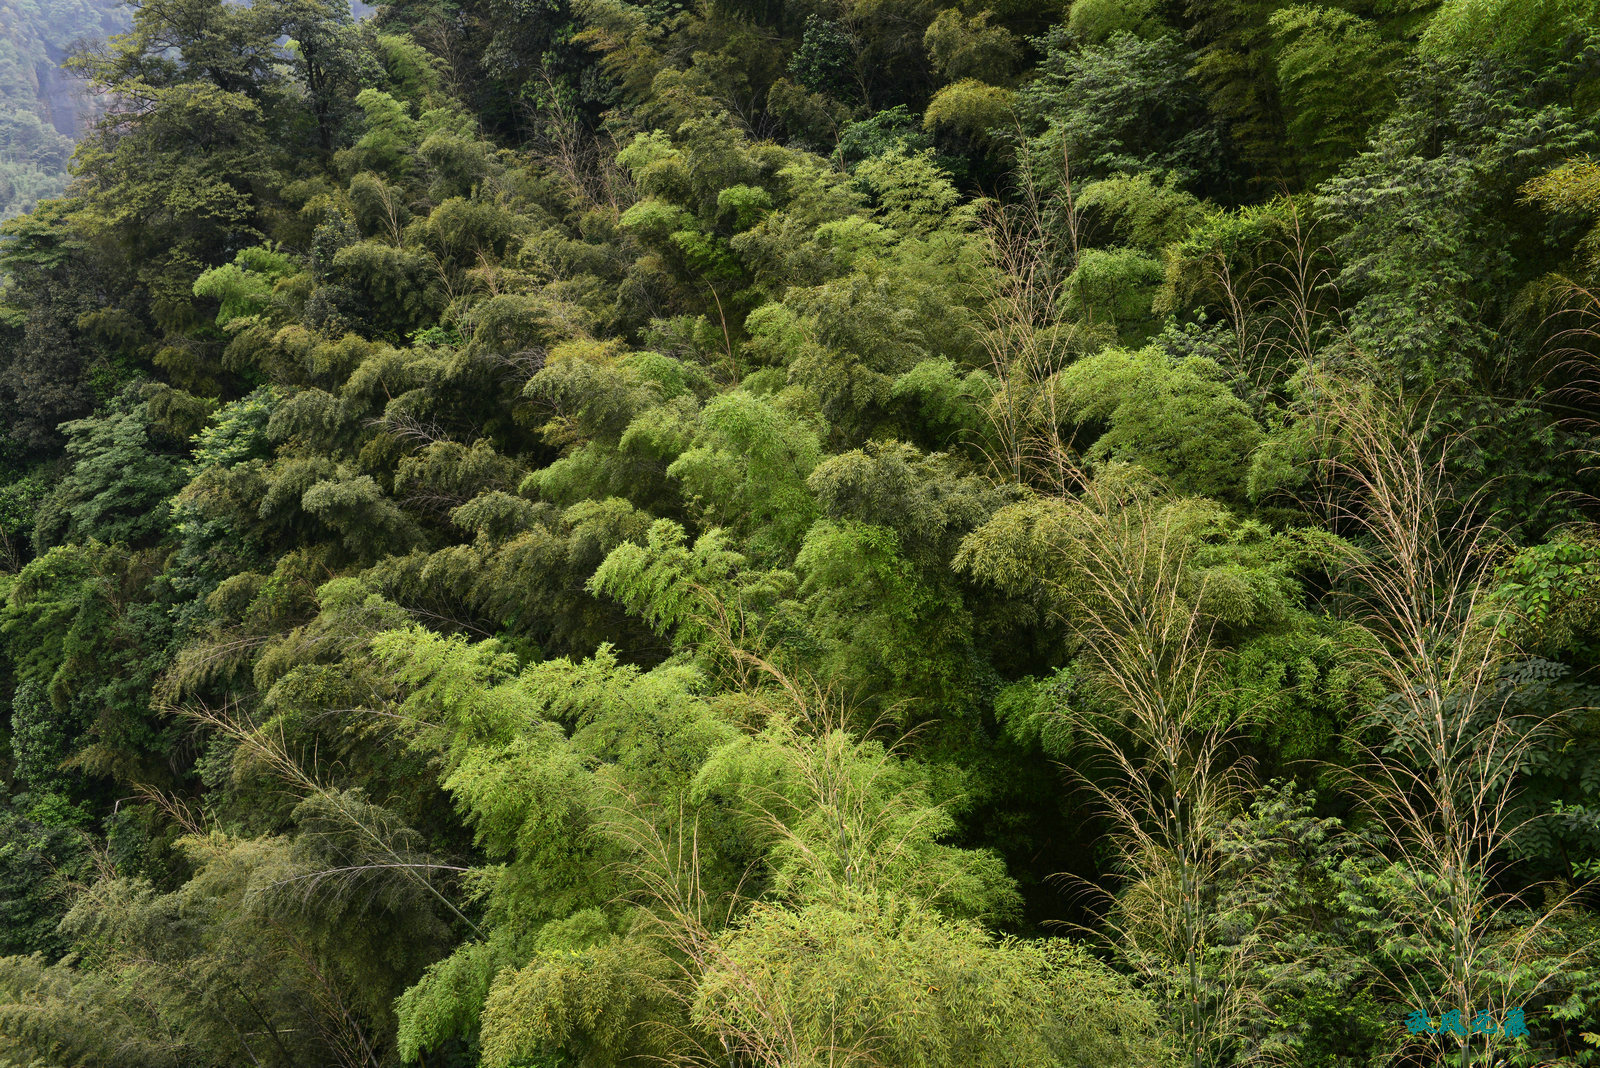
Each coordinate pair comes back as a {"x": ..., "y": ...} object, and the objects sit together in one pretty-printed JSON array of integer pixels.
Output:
[{"x": 116, "y": 487}]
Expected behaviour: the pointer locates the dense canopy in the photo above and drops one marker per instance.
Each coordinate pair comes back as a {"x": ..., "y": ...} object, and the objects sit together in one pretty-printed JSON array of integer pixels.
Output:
[{"x": 894, "y": 533}]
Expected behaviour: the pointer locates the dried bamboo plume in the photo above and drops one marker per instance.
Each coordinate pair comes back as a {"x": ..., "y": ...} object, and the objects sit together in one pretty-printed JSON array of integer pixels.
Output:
[{"x": 1437, "y": 761}]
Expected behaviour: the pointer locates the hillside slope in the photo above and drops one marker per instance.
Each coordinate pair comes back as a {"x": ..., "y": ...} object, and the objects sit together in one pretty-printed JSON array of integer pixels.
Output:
[
  {"x": 578, "y": 533},
  {"x": 43, "y": 108}
]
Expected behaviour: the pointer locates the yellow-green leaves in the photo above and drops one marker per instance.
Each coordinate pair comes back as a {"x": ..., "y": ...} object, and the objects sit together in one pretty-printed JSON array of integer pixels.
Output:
[
  {"x": 1177, "y": 419},
  {"x": 878, "y": 975},
  {"x": 746, "y": 471}
]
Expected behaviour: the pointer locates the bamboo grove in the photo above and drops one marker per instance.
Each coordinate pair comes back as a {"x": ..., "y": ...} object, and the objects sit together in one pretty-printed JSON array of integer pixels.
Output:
[{"x": 736, "y": 533}]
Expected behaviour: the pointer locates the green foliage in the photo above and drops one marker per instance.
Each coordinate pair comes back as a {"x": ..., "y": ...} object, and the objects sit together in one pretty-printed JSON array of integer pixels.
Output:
[
  {"x": 1098, "y": 20},
  {"x": 866, "y": 601},
  {"x": 746, "y": 469},
  {"x": 1333, "y": 76},
  {"x": 116, "y": 486},
  {"x": 1305, "y": 878},
  {"x": 591, "y": 1001},
  {"x": 884, "y": 975},
  {"x": 1300, "y": 690},
  {"x": 666, "y": 583},
  {"x": 882, "y": 132},
  {"x": 244, "y": 287},
  {"x": 176, "y": 973},
  {"x": 39, "y": 861},
  {"x": 1557, "y": 831},
  {"x": 961, "y": 48},
  {"x": 1140, "y": 212},
  {"x": 41, "y": 744},
  {"x": 845, "y": 816},
  {"x": 969, "y": 108},
  {"x": 1486, "y": 158},
  {"x": 51, "y": 370},
  {"x": 1573, "y": 189},
  {"x": 86, "y": 627},
  {"x": 1547, "y": 589},
  {"x": 590, "y": 533},
  {"x": 1514, "y": 33},
  {"x": 1080, "y": 95},
  {"x": 945, "y": 405},
  {"x": 537, "y": 801},
  {"x": 1177, "y": 419},
  {"x": 1233, "y": 62},
  {"x": 1115, "y": 285},
  {"x": 825, "y": 58}
]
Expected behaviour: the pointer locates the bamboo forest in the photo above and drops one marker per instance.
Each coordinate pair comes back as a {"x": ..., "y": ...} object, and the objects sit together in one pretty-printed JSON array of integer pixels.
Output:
[{"x": 799, "y": 533}]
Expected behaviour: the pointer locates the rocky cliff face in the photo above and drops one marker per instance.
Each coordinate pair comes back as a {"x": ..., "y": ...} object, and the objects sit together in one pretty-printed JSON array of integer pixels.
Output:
[
  {"x": 62, "y": 98},
  {"x": 43, "y": 108}
]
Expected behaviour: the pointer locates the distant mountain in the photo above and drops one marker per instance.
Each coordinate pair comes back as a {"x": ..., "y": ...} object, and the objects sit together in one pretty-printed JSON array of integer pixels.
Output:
[{"x": 43, "y": 109}]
